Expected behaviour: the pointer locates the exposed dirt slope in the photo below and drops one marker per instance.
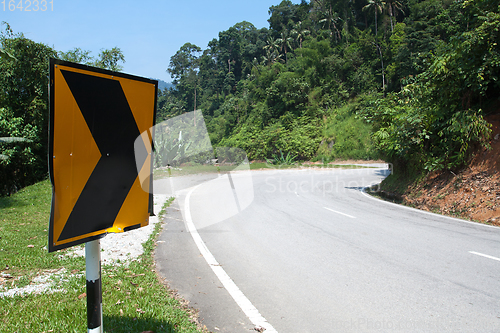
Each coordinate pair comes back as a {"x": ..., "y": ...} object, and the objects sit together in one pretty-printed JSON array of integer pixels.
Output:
[{"x": 473, "y": 193}]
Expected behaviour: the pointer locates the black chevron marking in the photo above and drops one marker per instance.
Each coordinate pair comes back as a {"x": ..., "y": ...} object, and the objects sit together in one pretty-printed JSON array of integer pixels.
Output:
[{"x": 110, "y": 120}]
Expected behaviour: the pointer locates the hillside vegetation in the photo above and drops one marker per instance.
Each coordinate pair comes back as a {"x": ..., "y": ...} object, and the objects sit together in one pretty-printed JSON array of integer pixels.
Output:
[
  {"x": 408, "y": 81},
  {"x": 24, "y": 102}
]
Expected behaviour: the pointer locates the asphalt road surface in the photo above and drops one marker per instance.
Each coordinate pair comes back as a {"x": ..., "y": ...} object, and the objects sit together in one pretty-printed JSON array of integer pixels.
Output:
[{"x": 308, "y": 251}]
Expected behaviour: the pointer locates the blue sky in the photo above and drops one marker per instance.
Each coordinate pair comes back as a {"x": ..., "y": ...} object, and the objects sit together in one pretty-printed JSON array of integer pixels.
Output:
[{"x": 148, "y": 32}]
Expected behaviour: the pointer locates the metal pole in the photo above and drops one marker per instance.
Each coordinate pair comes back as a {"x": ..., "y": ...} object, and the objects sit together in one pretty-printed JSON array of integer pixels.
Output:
[
  {"x": 234, "y": 191},
  {"x": 94, "y": 287}
]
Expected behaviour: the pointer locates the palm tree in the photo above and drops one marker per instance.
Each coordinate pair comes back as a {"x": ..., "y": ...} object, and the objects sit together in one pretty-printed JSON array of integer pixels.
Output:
[
  {"x": 392, "y": 6},
  {"x": 271, "y": 57},
  {"x": 300, "y": 33},
  {"x": 285, "y": 42},
  {"x": 330, "y": 17},
  {"x": 379, "y": 49},
  {"x": 377, "y": 6},
  {"x": 272, "y": 45}
]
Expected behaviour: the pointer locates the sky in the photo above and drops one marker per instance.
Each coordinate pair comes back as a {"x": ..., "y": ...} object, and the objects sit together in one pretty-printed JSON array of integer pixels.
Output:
[{"x": 148, "y": 32}]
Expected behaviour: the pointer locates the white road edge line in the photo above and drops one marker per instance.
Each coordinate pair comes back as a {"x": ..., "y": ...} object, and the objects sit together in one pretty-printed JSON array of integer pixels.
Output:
[
  {"x": 363, "y": 191},
  {"x": 484, "y": 255},
  {"x": 243, "y": 302},
  {"x": 352, "y": 217}
]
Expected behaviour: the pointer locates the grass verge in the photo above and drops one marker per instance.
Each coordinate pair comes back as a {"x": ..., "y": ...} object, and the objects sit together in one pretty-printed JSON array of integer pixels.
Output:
[
  {"x": 397, "y": 184},
  {"x": 134, "y": 299},
  {"x": 211, "y": 169}
]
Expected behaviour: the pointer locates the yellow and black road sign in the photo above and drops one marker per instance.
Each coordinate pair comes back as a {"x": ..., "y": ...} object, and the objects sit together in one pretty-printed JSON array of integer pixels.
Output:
[{"x": 99, "y": 142}]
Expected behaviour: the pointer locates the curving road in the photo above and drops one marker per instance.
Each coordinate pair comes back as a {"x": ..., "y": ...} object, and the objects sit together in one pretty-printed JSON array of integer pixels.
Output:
[{"x": 312, "y": 253}]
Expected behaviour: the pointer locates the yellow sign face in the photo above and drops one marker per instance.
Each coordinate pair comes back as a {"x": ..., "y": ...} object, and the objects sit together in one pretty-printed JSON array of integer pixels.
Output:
[{"x": 100, "y": 141}]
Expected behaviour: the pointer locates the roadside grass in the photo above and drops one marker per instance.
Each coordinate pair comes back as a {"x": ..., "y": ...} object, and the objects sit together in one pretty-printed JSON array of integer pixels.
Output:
[
  {"x": 184, "y": 171},
  {"x": 346, "y": 136},
  {"x": 201, "y": 169},
  {"x": 398, "y": 183},
  {"x": 134, "y": 299},
  {"x": 263, "y": 165},
  {"x": 191, "y": 170},
  {"x": 338, "y": 166},
  {"x": 394, "y": 186}
]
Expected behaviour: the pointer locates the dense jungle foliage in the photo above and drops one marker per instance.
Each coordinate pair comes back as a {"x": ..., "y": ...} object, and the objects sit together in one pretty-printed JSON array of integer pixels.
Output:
[
  {"x": 408, "y": 81},
  {"x": 404, "y": 80},
  {"x": 24, "y": 79}
]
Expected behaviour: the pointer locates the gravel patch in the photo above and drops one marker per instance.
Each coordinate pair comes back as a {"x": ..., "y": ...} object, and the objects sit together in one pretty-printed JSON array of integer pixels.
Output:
[
  {"x": 123, "y": 247},
  {"x": 116, "y": 248},
  {"x": 43, "y": 283}
]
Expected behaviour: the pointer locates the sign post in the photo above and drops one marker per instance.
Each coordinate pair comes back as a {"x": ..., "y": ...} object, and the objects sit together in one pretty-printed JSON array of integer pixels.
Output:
[{"x": 94, "y": 286}]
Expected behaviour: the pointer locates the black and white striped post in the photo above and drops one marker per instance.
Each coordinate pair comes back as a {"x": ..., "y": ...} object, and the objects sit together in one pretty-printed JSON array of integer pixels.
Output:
[{"x": 94, "y": 286}]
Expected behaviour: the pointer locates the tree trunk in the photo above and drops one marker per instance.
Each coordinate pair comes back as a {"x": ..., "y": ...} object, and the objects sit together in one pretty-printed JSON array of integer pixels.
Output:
[
  {"x": 382, "y": 64},
  {"x": 194, "y": 113},
  {"x": 390, "y": 13},
  {"x": 194, "y": 97}
]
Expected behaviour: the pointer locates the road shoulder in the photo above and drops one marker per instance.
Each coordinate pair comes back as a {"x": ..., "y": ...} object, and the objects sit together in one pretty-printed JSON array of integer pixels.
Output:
[{"x": 180, "y": 263}]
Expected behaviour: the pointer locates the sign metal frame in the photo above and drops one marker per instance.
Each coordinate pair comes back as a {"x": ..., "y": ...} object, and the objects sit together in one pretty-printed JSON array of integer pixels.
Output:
[{"x": 95, "y": 119}]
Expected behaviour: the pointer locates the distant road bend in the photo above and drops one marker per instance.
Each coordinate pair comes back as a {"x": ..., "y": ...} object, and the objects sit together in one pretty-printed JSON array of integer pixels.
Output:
[{"x": 309, "y": 251}]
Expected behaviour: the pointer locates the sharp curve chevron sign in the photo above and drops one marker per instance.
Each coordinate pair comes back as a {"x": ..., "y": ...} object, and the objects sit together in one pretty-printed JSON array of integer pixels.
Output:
[{"x": 95, "y": 156}]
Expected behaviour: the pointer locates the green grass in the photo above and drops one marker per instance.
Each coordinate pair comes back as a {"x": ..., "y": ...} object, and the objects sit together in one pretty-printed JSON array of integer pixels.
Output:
[
  {"x": 338, "y": 166},
  {"x": 199, "y": 169},
  {"x": 191, "y": 170},
  {"x": 259, "y": 165},
  {"x": 183, "y": 171},
  {"x": 262, "y": 165},
  {"x": 345, "y": 136},
  {"x": 399, "y": 182},
  {"x": 134, "y": 299}
]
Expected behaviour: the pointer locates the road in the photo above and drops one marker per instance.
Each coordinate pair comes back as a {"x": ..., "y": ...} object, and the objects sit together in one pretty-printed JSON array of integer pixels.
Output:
[{"x": 312, "y": 253}]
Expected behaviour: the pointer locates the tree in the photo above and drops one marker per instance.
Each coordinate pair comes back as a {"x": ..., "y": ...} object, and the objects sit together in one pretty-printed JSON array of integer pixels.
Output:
[
  {"x": 330, "y": 17},
  {"x": 436, "y": 121},
  {"x": 379, "y": 49},
  {"x": 184, "y": 61},
  {"x": 109, "y": 59},
  {"x": 300, "y": 33},
  {"x": 3, "y": 53},
  {"x": 466, "y": 70},
  {"x": 394, "y": 5},
  {"x": 271, "y": 57},
  {"x": 229, "y": 50},
  {"x": 8, "y": 140},
  {"x": 23, "y": 110},
  {"x": 6, "y": 55},
  {"x": 285, "y": 42},
  {"x": 247, "y": 31},
  {"x": 283, "y": 16},
  {"x": 271, "y": 49},
  {"x": 271, "y": 45},
  {"x": 244, "y": 86},
  {"x": 377, "y": 6},
  {"x": 77, "y": 55},
  {"x": 184, "y": 67}
]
